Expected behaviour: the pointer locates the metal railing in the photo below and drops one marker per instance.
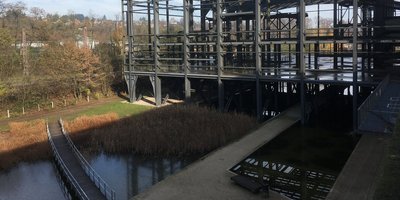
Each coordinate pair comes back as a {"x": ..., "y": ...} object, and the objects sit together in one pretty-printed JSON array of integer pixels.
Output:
[
  {"x": 74, "y": 183},
  {"x": 97, "y": 180},
  {"x": 368, "y": 104}
]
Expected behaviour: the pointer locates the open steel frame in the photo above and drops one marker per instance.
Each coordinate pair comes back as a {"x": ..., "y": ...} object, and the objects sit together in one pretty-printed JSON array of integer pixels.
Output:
[{"x": 262, "y": 41}]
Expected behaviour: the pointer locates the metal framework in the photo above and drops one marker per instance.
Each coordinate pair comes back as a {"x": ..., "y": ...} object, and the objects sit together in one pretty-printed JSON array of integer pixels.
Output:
[{"x": 268, "y": 42}]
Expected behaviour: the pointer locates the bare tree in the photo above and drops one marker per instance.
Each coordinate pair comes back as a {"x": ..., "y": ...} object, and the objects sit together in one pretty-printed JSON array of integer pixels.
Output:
[
  {"x": 37, "y": 13},
  {"x": 14, "y": 12}
]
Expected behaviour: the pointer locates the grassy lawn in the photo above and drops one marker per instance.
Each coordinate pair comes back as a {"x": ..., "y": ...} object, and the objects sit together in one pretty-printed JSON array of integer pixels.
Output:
[
  {"x": 122, "y": 109},
  {"x": 388, "y": 186}
]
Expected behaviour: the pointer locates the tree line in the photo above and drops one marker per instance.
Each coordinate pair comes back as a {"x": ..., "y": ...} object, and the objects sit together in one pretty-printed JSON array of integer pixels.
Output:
[{"x": 47, "y": 56}]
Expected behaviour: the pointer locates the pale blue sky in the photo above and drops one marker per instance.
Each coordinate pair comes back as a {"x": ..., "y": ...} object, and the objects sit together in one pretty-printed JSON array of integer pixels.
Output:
[
  {"x": 110, "y": 8},
  {"x": 99, "y": 8}
]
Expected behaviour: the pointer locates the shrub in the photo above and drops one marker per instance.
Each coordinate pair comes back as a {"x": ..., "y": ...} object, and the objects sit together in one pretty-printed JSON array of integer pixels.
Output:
[{"x": 26, "y": 141}]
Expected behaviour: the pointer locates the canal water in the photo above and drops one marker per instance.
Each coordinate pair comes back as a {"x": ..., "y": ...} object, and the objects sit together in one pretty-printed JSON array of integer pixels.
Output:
[
  {"x": 303, "y": 162},
  {"x": 129, "y": 175},
  {"x": 30, "y": 181}
]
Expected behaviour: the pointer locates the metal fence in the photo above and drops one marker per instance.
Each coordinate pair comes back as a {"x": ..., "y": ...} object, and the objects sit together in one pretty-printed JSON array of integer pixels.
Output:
[
  {"x": 97, "y": 180},
  {"x": 368, "y": 104}
]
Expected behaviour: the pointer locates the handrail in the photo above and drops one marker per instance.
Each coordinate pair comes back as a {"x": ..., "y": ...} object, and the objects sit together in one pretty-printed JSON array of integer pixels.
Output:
[
  {"x": 82, "y": 195},
  {"x": 366, "y": 106},
  {"x": 98, "y": 181}
]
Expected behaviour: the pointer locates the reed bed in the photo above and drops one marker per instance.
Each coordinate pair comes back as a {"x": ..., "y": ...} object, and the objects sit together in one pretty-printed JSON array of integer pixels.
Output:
[
  {"x": 169, "y": 131},
  {"x": 25, "y": 142}
]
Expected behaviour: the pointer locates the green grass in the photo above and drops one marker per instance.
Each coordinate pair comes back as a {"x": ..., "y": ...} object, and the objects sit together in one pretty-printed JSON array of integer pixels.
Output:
[
  {"x": 388, "y": 185},
  {"x": 4, "y": 128},
  {"x": 122, "y": 109}
]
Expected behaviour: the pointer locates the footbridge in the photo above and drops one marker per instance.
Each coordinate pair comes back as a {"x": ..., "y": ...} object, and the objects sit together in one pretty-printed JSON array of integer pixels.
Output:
[
  {"x": 380, "y": 110},
  {"x": 79, "y": 177}
]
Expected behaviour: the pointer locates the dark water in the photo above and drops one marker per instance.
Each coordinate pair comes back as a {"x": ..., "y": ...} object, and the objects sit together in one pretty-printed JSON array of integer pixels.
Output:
[
  {"x": 30, "y": 182},
  {"x": 129, "y": 175},
  {"x": 302, "y": 162}
]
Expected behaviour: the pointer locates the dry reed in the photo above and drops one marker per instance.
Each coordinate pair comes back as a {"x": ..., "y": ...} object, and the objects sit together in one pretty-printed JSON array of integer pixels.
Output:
[
  {"x": 26, "y": 141},
  {"x": 173, "y": 130}
]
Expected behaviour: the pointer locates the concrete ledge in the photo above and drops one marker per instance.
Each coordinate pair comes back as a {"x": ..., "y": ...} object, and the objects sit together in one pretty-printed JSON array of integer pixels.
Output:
[{"x": 358, "y": 178}]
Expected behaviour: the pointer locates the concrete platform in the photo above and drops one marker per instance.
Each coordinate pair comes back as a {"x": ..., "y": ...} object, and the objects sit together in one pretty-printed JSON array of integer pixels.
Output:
[
  {"x": 150, "y": 101},
  {"x": 209, "y": 178},
  {"x": 359, "y": 176}
]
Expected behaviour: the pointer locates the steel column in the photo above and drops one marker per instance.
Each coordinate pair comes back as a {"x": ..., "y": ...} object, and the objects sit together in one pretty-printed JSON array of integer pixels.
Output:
[
  {"x": 186, "y": 49},
  {"x": 129, "y": 30},
  {"x": 257, "y": 34},
  {"x": 301, "y": 36},
  {"x": 220, "y": 58},
  {"x": 335, "y": 33},
  {"x": 355, "y": 62},
  {"x": 157, "y": 80}
]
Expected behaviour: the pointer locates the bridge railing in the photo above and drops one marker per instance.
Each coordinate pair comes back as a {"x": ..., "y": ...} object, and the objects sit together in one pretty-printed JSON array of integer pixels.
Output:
[
  {"x": 74, "y": 183},
  {"x": 368, "y": 104},
  {"x": 97, "y": 180}
]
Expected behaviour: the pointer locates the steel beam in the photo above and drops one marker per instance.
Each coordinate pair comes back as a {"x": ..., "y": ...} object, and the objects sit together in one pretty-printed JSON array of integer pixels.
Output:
[
  {"x": 157, "y": 80},
  {"x": 220, "y": 57}
]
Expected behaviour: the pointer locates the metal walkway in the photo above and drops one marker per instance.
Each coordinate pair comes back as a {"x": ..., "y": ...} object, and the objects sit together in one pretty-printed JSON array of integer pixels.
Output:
[
  {"x": 380, "y": 110},
  {"x": 85, "y": 183}
]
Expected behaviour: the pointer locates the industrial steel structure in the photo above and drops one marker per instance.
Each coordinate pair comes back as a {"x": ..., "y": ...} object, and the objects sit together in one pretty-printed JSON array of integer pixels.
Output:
[{"x": 293, "y": 47}]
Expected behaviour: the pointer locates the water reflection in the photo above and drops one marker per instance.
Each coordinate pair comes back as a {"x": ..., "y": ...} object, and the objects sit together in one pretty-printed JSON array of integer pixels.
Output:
[
  {"x": 288, "y": 179},
  {"x": 29, "y": 182},
  {"x": 302, "y": 162},
  {"x": 129, "y": 175}
]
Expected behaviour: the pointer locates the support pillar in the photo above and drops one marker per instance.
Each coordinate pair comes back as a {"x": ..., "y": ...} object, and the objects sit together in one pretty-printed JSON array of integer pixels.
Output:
[
  {"x": 301, "y": 36},
  {"x": 156, "y": 83},
  {"x": 335, "y": 33},
  {"x": 257, "y": 41},
  {"x": 220, "y": 57},
  {"x": 156, "y": 46},
  {"x": 186, "y": 50},
  {"x": 131, "y": 81},
  {"x": 355, "y": 62},
  {"x": 129, "y": 62}
]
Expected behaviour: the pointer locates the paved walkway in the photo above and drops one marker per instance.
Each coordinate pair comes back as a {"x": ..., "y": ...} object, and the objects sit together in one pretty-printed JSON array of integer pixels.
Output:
[
  {"x": 209, "y": 178},
  {"x": 359, "y": 176}
]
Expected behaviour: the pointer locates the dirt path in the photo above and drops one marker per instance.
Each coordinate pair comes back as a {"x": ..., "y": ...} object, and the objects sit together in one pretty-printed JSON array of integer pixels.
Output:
[{"x": 60, "y": 111}]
